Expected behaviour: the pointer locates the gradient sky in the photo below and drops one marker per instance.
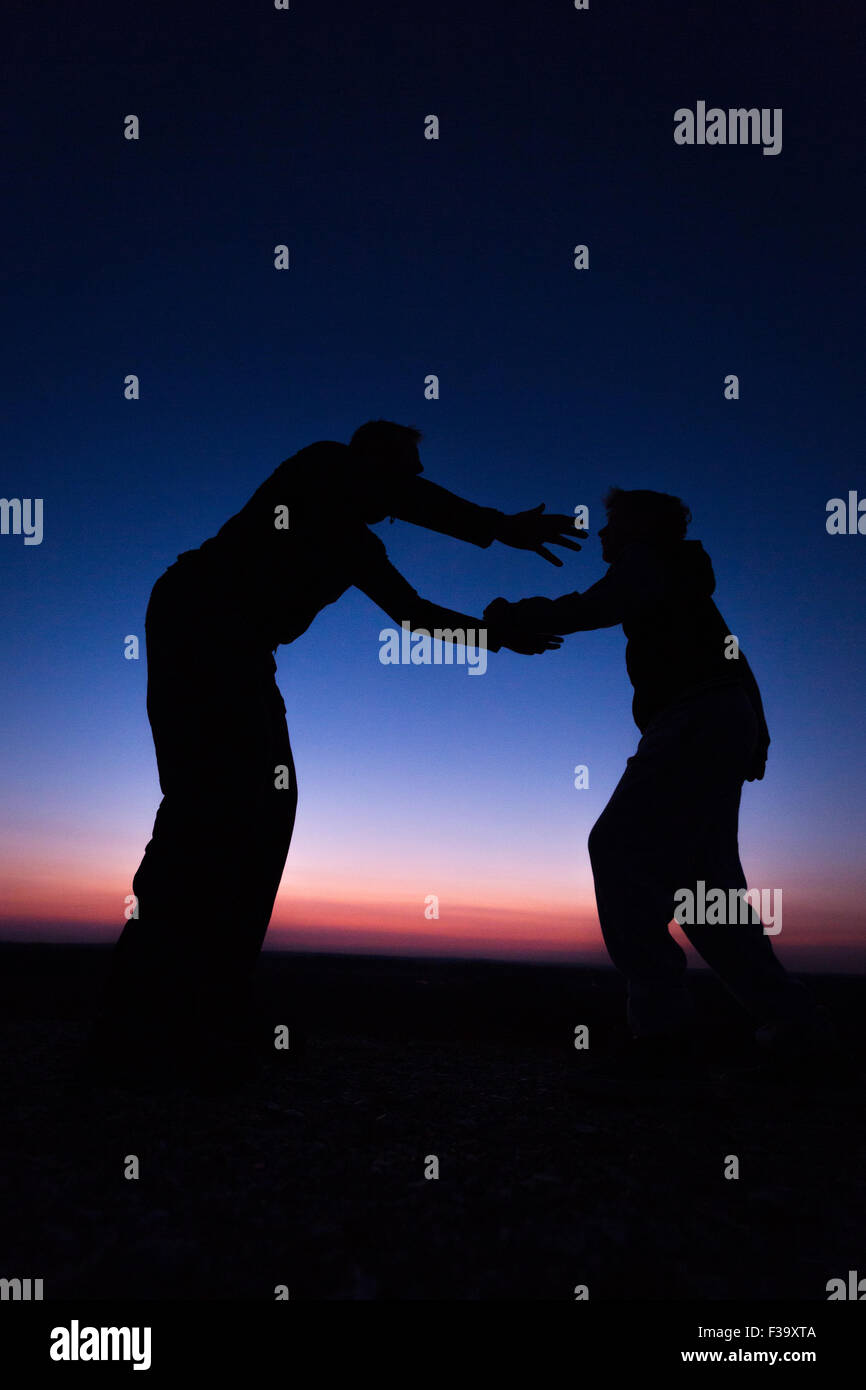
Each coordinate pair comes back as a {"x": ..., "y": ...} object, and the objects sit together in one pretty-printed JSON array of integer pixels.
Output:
[{"x": 408, "y": 257}]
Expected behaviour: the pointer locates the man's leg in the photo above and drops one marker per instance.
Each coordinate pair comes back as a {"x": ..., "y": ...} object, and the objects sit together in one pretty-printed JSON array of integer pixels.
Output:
[{"x": 182, "y": 971}]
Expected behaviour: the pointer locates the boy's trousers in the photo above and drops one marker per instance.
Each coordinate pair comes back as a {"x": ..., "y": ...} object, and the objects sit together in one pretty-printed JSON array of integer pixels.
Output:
[{"x": 672, "y": 821}]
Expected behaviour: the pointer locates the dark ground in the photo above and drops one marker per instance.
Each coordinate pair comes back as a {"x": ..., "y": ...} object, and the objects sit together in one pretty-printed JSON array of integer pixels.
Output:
[{"x": 312, "y": 1175}]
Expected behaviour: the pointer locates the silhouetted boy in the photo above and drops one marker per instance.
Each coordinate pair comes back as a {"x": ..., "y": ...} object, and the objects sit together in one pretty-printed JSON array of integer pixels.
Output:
[{"x": 672, "y": 819}]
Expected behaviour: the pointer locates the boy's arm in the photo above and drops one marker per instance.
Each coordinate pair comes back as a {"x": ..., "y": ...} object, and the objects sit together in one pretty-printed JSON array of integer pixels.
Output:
[
  {"x": 759, "y": 761},
  {"x": 750, "y": 685},
  {"x": 633, "y": 582},
  {"x": 602, "y": 605}
]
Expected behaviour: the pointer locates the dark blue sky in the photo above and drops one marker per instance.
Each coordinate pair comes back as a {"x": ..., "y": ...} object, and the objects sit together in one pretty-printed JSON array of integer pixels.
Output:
[{"x": 408, "y": 257}]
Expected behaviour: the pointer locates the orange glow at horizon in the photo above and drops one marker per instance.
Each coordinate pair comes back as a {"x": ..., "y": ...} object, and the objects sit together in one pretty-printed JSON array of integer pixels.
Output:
[
  {"x": 61, "y": 900},
  {"x": 373, "y": 925}
]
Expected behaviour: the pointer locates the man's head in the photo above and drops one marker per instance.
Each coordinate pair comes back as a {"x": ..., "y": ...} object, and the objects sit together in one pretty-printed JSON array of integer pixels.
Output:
[
  {"x": 385, "y": 456},
  {"x": 654, "y": 517}
]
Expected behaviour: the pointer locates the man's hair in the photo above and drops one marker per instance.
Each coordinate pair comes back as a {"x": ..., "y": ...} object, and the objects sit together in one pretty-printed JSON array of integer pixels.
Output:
[
  {"x": 667, "y": 516},
  {"x": 382, "y": 442}
]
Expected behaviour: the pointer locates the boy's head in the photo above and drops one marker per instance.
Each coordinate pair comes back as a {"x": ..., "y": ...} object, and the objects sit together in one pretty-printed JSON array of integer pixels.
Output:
[
  {"x": 655, "y": 517},
  {"x": 385, "y": 455}
]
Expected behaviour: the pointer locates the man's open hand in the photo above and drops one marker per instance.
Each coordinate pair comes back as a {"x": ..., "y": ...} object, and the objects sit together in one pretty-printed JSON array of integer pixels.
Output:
[{"x": 533, "y": 529}]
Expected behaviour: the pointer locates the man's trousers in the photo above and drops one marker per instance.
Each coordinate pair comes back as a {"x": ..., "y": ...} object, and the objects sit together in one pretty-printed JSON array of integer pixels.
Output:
[{"x": 205, "y": 889}]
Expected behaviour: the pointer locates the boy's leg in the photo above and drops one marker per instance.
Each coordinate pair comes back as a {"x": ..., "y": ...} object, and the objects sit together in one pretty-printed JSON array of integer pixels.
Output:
[
  {"x": 631, "y": 848},
  {"x": 739, "y": 952},
  {"x": 672, "y": 822}
]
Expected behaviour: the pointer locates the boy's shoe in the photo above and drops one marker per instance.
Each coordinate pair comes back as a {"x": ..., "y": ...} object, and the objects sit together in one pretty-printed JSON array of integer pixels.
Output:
[
  {"x": 809, "y": 1055},
  {"x": 814, "y": 1038}
]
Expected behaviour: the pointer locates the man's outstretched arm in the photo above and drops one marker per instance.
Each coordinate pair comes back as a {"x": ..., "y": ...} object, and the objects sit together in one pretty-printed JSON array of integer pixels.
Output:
[
  {"x": 385, "y": 585},
  {"x": 427, "y": 504}
]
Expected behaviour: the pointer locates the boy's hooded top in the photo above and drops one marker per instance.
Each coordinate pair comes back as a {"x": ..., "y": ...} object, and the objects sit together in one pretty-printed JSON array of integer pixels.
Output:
[{"x": 662, "y": 597}]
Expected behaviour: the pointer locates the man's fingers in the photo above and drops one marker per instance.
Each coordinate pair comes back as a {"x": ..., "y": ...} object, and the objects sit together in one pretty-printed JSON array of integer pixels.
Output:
[
  {"x": 546, "y": 555},
  {"x": 564, "y": 523},
  {"x": 566, "y": 542}
]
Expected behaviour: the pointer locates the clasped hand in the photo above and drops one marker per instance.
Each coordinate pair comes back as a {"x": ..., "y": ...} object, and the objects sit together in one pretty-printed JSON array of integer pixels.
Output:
[{"x": 520, "y": 626}]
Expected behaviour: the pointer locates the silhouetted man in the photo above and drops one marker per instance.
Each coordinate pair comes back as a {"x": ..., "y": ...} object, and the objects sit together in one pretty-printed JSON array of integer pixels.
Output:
[
  {"x": 207, "y": 883},
  {"x": 672, "y": 819}
]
